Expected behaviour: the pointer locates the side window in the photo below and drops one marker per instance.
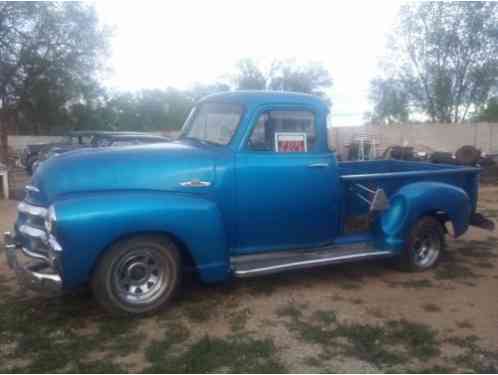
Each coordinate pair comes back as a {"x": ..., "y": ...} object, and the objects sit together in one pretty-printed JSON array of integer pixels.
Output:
[{"x": 283, "y": 131}]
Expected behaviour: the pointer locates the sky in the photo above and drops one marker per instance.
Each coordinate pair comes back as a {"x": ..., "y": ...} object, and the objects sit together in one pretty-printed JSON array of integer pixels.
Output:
[{"x": 158, "y": 44}]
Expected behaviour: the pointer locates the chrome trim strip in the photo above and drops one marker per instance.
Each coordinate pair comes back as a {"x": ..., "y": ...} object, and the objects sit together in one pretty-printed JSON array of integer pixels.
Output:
[
  {"x": 30, "y": 209},
  {"x": 195, "y": 183},
  {"x": 54, "y": 245},
  {"x": 32, "y": 188},
  {"x": 318, "y": 165},
  {"x": 33, "y": 232},
  {"x": 309, "y": 262},
  {"x": 41, "y": 277},
  {"x": 32, "y": 254}
]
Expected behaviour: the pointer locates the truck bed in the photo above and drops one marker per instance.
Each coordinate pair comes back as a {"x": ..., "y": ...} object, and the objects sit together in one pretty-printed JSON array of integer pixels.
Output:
[{"x": 391, "y": 175}]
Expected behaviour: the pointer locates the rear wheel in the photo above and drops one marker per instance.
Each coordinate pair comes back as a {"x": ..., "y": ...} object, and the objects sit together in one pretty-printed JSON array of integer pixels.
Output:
[
  {"x": 137, "y": 276},
  {"x": 424, "y": 245}
]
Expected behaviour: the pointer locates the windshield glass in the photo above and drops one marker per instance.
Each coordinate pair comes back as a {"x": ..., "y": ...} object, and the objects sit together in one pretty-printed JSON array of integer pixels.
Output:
[{"x": 213, "y": 122}]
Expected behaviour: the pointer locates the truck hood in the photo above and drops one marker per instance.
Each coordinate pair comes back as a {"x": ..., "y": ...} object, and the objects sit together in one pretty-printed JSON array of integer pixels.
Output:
[{"x": 161, "y": 167}]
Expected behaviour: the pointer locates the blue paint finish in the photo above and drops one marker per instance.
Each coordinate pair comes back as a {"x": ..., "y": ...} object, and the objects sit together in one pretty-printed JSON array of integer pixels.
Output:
[
  {"x": 87, "y": 224},
  {"x": 256, "y": 201},
  {"x": 424, "y": 198}
]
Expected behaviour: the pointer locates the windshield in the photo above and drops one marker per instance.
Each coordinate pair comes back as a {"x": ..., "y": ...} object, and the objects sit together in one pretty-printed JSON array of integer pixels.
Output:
[{"x": 213, "y": 122}]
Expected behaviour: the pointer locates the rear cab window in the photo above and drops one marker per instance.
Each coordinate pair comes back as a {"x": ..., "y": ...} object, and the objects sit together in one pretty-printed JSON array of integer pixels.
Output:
[{"x": 284, "y": 131}]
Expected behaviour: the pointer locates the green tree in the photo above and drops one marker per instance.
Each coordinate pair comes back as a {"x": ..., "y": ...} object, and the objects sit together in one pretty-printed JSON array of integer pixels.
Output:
[
  {"x": 250, "y": 76},
  {"x": 490, "y": 111},
  {"x": 146, "y": 110},
  {"x": 283, "y": 76},
  {"x": 50, "y": 54},
  {"x": 199, "y": 91},
  {"x": 310, "y": 78},
  {"x": 444, "y": 56},
  {"x": 390, "y": 101}
]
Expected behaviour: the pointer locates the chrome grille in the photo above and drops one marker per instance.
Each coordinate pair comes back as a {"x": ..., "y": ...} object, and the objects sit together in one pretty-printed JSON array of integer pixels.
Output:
[{"x": 31, "y": 227}]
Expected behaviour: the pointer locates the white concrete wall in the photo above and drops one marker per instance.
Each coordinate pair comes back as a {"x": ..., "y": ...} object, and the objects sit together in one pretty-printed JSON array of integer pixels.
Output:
[
  {"x": 438, "y": 137},
  {"x": 18, "y": 142}
]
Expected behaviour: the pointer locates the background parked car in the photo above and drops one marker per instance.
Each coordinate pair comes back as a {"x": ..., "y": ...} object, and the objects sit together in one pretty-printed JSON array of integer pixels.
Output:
[
  {"x": 31, "y": 152},
  {"x": 98, "y": 139},
  {"x": 81, "y": 139}
]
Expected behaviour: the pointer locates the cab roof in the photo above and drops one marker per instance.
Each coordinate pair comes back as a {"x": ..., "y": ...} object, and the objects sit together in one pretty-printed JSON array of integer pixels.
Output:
[{"x": 255, "y": 97}]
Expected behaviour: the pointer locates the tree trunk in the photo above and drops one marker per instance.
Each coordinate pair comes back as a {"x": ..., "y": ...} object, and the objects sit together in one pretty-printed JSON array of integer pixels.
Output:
[{"x": 4, "y": 139}]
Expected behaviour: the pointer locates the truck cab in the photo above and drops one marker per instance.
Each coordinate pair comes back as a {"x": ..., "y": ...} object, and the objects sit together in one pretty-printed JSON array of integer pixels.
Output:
[{"x": 250, "y": 187}]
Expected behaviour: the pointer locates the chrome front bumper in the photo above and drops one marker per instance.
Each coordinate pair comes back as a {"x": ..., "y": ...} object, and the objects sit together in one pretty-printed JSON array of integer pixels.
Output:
[{"x": 34, "y": 270}]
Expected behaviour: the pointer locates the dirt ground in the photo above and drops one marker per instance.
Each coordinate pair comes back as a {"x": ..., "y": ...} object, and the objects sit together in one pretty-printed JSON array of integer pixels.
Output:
[{"x": 362, "y": 317}]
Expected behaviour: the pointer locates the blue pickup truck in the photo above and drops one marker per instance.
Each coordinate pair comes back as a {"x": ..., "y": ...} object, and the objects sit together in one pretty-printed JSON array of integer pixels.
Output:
[{"x": 251, "y": 187}]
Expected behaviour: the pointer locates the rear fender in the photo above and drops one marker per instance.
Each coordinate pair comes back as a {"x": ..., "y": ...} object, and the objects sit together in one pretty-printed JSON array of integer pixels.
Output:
[
  {"x": 419, "y": 199},
  {"x": 88, "y": 224}
]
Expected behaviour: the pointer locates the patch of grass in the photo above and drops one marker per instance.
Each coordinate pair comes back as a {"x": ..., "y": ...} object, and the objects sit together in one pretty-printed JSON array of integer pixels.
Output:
[
  {"x": 431, "y": 307},
  {"x": 474, "y": 357},
  {"x": 382, "y": 345},
  {"x": 432, "y": 370},
  {"x": 368, "y": 343},
  {"x": 210, "y": 354},
  {"x": 97, "y": 367},
  {"x": 312, "y": 361},
  {"x": 200, "y": 312},
  {"x": 325, "y": 317},
  {"x": 290, "y": 310},
  {"x": 238, "y": 319},
  {"x": 46, "y": 334},
  {"x": 466, "y": 342},
  {"x": 157, "y": 350},
  {"x": 419, "y": 339}
]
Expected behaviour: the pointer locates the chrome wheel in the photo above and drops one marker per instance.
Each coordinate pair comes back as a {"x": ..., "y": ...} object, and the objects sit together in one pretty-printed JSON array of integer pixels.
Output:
[
  {"x": 426, "y": 249},
  {"x": 140, "y": 276}
]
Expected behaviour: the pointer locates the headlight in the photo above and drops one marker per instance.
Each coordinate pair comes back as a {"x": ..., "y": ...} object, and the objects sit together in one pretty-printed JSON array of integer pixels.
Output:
[{"x": 50, "y": 219}]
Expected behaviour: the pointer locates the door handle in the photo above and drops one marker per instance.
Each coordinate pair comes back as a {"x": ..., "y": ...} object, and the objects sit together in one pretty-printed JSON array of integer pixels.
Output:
[{"x": 318, "y": 165}]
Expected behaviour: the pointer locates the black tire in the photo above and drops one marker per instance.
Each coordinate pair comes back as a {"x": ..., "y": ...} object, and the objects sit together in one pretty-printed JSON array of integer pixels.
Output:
[
  {"x": 411, "y": 259},
  {"x": 116, "y": 282}
]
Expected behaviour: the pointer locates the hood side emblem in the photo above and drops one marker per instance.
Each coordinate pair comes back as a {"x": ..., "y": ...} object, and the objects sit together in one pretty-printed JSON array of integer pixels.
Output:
[{"x": 195, "y": 183}]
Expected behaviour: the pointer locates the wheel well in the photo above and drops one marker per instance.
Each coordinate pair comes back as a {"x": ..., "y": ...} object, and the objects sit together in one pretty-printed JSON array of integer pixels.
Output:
[
  {"x": 187, "y": 259},
  {"x": 440, "y": 215}
]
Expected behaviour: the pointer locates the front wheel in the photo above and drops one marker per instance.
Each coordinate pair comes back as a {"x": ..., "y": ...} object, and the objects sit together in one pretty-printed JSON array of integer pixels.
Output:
[
  {"x": 137, "y": 276},
  {"x": 424, "y": 245}
]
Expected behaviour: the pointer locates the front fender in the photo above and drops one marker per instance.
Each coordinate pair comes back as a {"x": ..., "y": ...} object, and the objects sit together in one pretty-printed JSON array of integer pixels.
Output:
[
  {"x": 424, "y": 198},
  {"x": 88, "y": 223}
]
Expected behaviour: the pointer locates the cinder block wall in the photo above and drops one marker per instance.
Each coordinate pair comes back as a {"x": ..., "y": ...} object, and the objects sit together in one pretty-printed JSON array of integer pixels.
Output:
[{"x": 438, "y": 137}]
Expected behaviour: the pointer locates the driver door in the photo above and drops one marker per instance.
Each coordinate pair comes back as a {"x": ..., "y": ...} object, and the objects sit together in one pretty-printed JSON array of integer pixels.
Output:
[{"x": 283, "y": 188}]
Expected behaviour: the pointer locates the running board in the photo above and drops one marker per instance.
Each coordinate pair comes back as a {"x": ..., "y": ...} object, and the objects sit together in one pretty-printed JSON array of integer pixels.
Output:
[{"x": 274, "y": 262}]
